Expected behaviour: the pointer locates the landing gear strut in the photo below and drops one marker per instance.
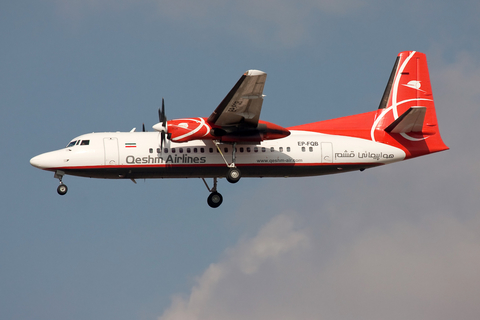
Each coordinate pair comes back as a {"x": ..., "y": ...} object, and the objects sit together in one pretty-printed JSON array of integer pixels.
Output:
[
  {"x": 215, "y": 199},
  {"x": 62, "y": 188},
  {"x": 233, "y": 173}
]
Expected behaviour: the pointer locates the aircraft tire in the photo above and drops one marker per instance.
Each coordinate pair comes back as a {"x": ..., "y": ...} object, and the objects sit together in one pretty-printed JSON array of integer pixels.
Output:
[
  {"x": 215, "y": 199},
  {"x": 233, "y": 175},
  {"x": 62, "y": 189}
]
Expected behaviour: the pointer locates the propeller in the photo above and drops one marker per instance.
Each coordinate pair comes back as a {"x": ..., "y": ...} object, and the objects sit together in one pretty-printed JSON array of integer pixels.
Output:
[{"x": 162, "y": 125}]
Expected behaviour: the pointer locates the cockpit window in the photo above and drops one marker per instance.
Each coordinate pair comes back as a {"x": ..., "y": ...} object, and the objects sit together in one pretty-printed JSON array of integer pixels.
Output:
[
  {"x": 71, "y": 144},
  {"x": 85, "y": 142}
]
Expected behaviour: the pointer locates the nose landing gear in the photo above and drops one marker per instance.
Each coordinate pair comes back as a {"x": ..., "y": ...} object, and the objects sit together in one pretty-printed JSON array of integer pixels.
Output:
[{"x": 62, "y": 188}]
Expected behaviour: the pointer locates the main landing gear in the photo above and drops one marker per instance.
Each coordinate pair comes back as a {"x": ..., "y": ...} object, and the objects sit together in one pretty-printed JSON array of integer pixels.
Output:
[
  {"x": 215, "y": 199},
  {"x": 233, "y": 173},
  {"x": 62, "y": 188}
]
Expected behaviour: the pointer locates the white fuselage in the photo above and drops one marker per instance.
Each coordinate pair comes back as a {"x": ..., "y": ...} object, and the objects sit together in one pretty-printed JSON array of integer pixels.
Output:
[{"x": 138, "y": 155}]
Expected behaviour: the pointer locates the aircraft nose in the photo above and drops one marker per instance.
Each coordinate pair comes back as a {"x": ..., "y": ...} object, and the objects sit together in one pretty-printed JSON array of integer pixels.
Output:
[
  {"x": 37, "y": 162},
  {"x": 41, "y": 161}
]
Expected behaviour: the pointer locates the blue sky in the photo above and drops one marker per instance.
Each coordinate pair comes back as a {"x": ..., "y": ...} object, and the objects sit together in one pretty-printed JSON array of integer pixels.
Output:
[{"x": 396, "y": 242}]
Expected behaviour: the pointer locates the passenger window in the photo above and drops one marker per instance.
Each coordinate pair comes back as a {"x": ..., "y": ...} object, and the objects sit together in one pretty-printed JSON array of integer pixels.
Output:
[
  {"x": 310, "y": 149},
  {"x": 189, "y": 150},
  {"x": 303, "y": 149},
  {"x": 272, "y": 149},
  {"x": 248, "y": 149},
  {"x": 173, "y": 150},
  {"x": 255, "y": 149},
  {"x": 195, "y": 150},
  {"x": 150, "y": 150},
  {"x": 165, "y": 150},
  {"x": 202, "y": 150},
  {"x": 288, "y": 149},
  {"x": 241, "y": 149},
  {"x": 280, "y": 149},
  {"x": 180, "y": 150},
  {"x": 263, "y": 149},
  {"x": 210, "y": 150},
  {"x": 158, "y": 150},
  {"x": 226, "y": 149},
  {"x": 85, "y": 142}
]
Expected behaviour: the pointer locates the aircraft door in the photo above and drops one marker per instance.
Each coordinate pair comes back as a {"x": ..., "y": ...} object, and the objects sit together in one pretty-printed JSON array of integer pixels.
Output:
[
  {"x": 111, "y": 151},
  {"x": 327, "y": 152}
]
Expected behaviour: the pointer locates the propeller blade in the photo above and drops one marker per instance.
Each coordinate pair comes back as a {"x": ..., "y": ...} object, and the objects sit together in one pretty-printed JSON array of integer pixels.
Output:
[
  {"x": 161, "y": 114},
  {"x": 162, "y": 140},
  {"x": 163, "y": 122}
]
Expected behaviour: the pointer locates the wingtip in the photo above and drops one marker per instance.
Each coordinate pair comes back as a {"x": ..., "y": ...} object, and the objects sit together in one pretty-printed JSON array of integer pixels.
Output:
[{"x": 254, "y": 73}]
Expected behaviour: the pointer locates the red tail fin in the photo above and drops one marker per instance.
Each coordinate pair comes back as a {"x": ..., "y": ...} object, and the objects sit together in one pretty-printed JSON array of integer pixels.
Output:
[{"x": 406, "y": 116}]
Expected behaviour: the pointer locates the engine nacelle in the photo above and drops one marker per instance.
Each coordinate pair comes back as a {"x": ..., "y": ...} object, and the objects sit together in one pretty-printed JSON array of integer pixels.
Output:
[{"x": 183, "y": 130}]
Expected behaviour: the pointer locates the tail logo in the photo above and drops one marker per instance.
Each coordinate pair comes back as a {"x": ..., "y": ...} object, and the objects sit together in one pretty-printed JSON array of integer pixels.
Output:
[{"x": 414, "y": 84}]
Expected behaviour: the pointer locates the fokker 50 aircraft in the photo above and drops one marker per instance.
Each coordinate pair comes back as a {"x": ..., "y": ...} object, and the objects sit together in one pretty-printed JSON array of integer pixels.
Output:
[{"x": 233, "y": 142}]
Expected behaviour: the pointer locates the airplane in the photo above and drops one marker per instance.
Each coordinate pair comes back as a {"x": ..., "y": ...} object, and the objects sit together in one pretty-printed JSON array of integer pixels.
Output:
[{"x": 233, "y": 142}]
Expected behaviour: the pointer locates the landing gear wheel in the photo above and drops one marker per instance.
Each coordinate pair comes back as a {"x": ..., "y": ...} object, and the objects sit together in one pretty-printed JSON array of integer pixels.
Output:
[
  {"x": 233, "y": 175},
  {"x": 62, "y": 189},
  {"x": 215, "y": 199}
]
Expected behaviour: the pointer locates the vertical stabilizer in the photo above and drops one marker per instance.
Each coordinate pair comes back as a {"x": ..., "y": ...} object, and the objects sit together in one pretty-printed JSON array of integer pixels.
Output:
[{"x": 406, "y": 116}]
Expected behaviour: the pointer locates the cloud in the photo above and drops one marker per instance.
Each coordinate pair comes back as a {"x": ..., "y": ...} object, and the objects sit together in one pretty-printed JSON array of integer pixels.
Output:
[
  {"x": 424, "y": 271},
  {"x": 241, "y": 268},
  {"x": 456, "y": 94},
  {"x": 400, "y": 243}
]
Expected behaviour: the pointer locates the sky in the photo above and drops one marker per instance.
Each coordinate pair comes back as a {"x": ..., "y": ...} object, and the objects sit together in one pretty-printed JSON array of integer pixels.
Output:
[{"x": 397, "y": 242}]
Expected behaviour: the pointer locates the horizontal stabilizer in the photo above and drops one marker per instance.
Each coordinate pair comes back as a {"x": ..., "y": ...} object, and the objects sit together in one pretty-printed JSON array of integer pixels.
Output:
[{"x": 410, "y": 121}]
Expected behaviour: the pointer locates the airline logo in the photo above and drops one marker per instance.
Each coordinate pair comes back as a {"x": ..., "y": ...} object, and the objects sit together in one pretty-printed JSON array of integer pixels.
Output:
[{"x": 414, "y": 84}]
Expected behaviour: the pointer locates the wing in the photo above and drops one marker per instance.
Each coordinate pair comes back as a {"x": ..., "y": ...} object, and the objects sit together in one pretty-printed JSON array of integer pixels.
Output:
[{"x": 242, "y": 105}]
